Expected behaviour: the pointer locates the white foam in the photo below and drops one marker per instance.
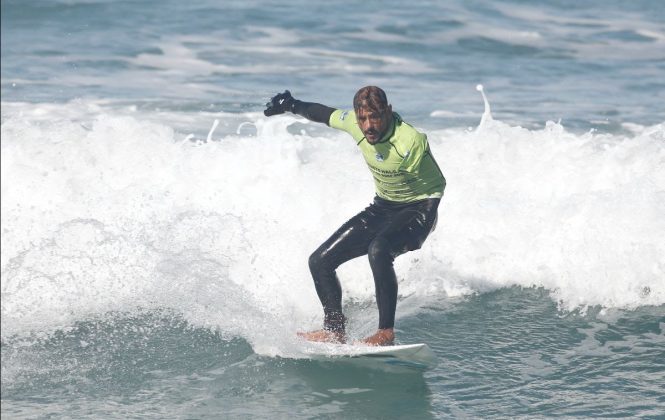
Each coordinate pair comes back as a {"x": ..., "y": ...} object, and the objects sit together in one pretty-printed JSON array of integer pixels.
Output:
[
  {"x": 117, "y": 212},
  {"x": 579, "y": 215}
]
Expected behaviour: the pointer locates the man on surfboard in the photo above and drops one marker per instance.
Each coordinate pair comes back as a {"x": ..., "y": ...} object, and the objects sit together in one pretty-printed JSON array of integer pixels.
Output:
[{"x": 409, "y": 186}]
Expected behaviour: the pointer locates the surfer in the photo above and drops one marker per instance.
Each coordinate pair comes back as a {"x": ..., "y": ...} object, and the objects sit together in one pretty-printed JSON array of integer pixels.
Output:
[{"x": 409, "y": 186}]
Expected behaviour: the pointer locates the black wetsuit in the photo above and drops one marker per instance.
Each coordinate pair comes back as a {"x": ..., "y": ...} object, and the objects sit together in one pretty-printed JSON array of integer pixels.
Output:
[{"x": 382, "y": 231}]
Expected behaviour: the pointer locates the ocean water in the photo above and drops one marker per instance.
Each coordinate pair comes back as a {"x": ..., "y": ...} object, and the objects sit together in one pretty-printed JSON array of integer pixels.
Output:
[{"x": 156, "y": 226}]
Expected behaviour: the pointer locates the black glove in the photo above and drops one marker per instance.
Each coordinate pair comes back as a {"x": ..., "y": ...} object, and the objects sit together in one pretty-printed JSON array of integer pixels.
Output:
[{"x": 279, "y": 104}]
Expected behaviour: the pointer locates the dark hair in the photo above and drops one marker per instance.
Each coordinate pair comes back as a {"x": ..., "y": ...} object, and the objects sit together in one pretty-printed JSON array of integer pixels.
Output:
[{"x": 371, "y": 97}]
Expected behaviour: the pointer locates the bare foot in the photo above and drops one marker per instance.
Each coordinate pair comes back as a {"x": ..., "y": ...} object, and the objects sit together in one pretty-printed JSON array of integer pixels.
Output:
[
  {"x": 324, "y": 336},
  {"x": 385, "y": 337}
]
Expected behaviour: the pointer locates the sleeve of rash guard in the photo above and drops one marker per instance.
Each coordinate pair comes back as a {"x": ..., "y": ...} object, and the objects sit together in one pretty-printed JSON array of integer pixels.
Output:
[
  {"x": 339, "y": 119},
  {"x": 346, "y": 121}
]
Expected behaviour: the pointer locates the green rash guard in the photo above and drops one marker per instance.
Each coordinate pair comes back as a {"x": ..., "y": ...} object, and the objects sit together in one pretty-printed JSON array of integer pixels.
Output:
[{"x": 403, "y": 167}]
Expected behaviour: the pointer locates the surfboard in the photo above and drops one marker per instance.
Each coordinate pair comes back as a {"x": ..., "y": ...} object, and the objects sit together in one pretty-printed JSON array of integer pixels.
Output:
[{"x": 413, "y": 355}]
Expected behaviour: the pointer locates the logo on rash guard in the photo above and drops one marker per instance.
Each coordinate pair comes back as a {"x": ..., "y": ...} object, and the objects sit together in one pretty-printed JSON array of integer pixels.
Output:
[
  {"x": 379, "y": 157},
  {"x": 343, "y": 115}
]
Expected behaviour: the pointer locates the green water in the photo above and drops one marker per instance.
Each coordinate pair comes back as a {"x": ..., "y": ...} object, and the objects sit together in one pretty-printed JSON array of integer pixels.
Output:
[{"x": 505, "y": 353}]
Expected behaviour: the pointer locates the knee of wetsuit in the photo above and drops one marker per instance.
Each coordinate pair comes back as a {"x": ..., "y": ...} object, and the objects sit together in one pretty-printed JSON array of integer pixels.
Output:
[
  {"x": 315, "y": 260},
  {"x": 379, "y": 248}
]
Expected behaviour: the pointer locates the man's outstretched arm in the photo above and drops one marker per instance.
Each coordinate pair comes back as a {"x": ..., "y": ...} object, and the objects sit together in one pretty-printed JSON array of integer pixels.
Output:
[{"x": 283, "y": 102}]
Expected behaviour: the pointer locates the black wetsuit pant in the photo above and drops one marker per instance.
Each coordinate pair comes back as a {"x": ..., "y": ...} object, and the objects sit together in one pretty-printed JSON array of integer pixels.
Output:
[{"x": 382, "y": 231}]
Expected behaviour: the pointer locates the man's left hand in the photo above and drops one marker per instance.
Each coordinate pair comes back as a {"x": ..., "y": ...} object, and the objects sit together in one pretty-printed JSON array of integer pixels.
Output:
[{"x": 279, "y": 104}]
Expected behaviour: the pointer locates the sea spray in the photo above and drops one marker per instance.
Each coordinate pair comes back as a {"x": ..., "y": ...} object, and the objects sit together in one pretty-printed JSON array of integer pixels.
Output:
[
  {"x": 576, "y": 214},
  {"x": 117, "y": 213}
]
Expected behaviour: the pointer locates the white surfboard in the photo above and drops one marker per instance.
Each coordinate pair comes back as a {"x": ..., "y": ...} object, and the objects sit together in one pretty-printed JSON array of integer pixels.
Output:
[{"x": 416, "y": 355}]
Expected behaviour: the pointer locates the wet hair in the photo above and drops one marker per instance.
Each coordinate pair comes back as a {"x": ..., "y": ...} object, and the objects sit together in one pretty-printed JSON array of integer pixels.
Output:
[{"x": 371, "y": 97}]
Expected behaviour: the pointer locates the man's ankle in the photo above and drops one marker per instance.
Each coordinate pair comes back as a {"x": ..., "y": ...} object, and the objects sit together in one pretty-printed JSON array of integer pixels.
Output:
[{"x": 334, "y": 322}]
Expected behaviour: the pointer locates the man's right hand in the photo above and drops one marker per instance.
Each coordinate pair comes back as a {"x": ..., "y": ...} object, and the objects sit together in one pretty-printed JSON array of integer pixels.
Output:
[{"x": 279, "y": 104}]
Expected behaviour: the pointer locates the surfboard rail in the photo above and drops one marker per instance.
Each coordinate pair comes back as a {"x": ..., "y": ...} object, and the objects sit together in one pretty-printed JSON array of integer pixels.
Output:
[{"x": 417, "y": 354}]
